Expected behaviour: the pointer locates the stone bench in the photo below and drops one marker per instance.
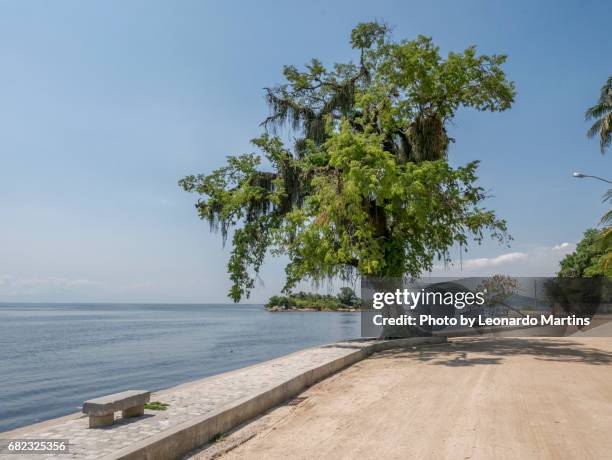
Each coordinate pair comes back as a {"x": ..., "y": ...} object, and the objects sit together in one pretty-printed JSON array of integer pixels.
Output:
[{"x": 102, "y": 410}]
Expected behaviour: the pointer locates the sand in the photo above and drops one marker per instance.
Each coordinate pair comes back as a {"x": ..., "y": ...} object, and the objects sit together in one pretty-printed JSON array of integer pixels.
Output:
[{"x": 469, "y": 399}]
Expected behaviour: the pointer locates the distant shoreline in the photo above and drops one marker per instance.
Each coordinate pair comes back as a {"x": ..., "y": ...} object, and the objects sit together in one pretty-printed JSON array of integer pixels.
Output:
[{"x": 276, "y": 309}]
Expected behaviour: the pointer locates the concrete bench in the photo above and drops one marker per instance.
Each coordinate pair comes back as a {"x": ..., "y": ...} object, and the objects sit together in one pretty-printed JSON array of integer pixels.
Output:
[{"x": 102, "y": 410}]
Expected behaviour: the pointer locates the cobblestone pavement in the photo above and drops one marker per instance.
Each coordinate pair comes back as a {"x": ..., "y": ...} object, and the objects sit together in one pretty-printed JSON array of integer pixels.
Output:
[{"x": 187, "y": 401}]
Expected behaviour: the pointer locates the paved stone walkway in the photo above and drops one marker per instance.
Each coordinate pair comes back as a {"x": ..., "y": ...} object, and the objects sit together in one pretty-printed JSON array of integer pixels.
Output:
[{"x": 188, "y": 401}]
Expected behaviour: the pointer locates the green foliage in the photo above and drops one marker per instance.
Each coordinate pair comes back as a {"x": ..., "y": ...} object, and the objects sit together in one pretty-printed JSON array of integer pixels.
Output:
[
  {"x": 607, "y": 217},
  {"x": 156, "y": 405},
  {"x": 218, "y": 437},
  {"x": 598, "y": 246},
  {"x": 601, "y": 112},
  {"x": 592, "y": 257},
  {"x": 347, "y": 296},
  {"x": 345, "y": 299},
  {"x": 367, "y": 188},
  {"x": 604, "y": 243}
]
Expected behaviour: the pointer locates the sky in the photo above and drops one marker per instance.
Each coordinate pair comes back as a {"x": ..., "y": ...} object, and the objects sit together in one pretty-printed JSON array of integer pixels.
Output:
[{"x": 105, "y": 105}]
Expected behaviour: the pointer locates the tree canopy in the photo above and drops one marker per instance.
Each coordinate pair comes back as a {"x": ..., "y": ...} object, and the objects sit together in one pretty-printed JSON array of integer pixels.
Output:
[
  {"x": 364, "y": 187},
  {"x": 592, "y": 256}
]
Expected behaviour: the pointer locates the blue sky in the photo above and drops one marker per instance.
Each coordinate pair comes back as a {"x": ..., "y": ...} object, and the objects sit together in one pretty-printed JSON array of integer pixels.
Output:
[{"x": 105, "y": 105}]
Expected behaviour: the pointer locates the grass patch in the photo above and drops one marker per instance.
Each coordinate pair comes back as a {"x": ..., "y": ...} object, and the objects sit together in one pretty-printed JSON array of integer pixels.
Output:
[
  {"x": 218, "y": 437},
  {"x": 156, "y": 405}
]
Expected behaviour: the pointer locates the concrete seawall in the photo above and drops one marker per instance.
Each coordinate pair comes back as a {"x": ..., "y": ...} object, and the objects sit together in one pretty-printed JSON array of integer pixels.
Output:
[{"x": 202, "y": 409}]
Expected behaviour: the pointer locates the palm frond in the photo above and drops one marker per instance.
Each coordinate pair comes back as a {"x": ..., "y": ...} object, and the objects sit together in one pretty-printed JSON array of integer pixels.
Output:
[
  {"x": 606, "y": 220},
  {"x": 598, "y": 110},
  {"x": 594, "y": 129},
  {"x": 601, "y": 112}
]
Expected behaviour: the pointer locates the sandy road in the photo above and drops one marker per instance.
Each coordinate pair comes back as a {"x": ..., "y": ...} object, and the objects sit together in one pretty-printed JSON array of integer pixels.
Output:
[{"x": 470, "y": 399}]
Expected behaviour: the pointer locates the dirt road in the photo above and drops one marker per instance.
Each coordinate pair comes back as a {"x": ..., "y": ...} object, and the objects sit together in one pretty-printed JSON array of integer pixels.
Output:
[{"x": 470, "y": 399}]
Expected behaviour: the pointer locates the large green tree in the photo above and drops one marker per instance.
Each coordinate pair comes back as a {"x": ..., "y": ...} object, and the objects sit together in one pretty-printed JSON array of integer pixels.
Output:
[{"x": 365, "y": 187}]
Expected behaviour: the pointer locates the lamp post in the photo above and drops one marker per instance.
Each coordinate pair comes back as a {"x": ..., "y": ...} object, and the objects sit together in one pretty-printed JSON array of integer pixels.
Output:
[{"x": 579, "y": 175}]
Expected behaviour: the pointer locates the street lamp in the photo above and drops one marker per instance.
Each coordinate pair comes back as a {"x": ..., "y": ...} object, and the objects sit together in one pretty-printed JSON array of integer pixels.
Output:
[{"x": 579, "y": 175}]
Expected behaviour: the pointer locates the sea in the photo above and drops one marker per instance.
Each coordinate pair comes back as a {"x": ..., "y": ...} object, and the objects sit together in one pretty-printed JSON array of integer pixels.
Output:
[{"x": 55, "y": 356}]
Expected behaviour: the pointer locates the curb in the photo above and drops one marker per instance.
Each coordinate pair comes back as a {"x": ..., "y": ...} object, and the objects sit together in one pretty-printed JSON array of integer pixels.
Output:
[{"x": 182, "y": 439}]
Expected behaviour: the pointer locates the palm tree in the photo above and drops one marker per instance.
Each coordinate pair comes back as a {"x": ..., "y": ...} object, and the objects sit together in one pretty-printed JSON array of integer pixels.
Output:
[{"x": 602, "y": 114}]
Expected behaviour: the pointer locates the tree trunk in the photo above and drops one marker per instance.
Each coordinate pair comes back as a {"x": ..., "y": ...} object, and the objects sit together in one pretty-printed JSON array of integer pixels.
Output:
[{"x": 373, "y": 284}]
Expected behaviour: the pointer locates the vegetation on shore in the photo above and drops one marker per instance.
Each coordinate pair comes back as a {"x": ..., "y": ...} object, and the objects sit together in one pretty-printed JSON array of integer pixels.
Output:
[
  {"x": 592, "y": 257},
  {"x": 346, "y": 300}
]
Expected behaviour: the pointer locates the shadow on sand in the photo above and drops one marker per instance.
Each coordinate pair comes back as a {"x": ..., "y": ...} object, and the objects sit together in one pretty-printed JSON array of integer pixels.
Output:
[{"x": 494, "y": 350}]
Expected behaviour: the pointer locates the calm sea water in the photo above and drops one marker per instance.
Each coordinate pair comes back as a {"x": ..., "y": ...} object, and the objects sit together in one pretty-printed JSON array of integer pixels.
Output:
[{"x": 55, "y": 356}]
